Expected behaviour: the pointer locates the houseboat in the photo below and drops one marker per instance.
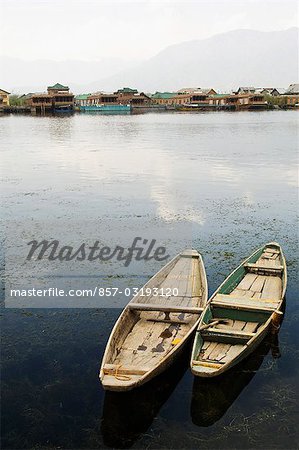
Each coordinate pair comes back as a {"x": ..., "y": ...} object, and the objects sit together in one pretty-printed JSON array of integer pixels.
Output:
[
  {"x": 58, "y": 99},
  {"x": 105, "y": 108},
  {"x": 105, "y": 103}
]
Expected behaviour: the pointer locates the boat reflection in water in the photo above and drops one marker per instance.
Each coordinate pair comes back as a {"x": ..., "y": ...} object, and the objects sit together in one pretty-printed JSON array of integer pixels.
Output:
[
  {"x": 212, "y": 397},
  {"x": 126, "y": 415}
]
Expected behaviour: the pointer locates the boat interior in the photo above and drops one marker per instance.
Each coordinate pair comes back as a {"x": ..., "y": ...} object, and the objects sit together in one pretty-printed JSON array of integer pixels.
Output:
[
  {"x": 239, "y": 309},
  {"x": 151, "y": 326}
]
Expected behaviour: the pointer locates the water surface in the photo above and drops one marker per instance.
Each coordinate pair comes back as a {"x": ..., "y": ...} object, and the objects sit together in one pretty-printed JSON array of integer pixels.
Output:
[{"x": 233, "y": 178}]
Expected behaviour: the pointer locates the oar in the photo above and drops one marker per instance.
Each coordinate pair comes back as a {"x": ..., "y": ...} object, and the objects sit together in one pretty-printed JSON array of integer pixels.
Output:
[{"x": 211, "y": 324}]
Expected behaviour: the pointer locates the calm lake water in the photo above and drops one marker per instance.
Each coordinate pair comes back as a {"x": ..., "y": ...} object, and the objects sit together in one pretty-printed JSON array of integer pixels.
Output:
[{"x": 231, "y": 179}]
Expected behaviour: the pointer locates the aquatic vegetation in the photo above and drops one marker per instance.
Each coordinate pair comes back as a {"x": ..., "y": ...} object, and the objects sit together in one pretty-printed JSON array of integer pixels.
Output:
[{"x": 241, "y": 197}]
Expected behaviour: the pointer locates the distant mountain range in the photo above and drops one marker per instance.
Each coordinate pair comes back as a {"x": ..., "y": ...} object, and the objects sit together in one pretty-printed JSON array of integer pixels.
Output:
[{"x": 224, "y": 61}]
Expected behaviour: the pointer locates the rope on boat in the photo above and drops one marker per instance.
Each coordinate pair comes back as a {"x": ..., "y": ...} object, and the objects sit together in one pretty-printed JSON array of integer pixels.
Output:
[{"x": 121, "y": 377}]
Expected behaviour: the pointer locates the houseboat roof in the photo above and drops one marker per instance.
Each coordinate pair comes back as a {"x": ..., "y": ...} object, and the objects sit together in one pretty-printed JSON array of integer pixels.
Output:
[
  {"x": 195, "y": 91},
  {"x": 280, "y": 90},
  {"x": 293, "y": 89},
  {"x": 127, "y": 90},
  {"x": 246, "y": 89},
  {"x": 58, "y": 86},
  {"x": 2, "y": 90},
  {"x": 101, "y": 94},
  {"x": 188, "y": 90},
  {"x": 270, "y": 90},
  {"x": 204, "y": 91},
  {"x": 82, "y": 96},
  {"x": 164, "y": 95}
]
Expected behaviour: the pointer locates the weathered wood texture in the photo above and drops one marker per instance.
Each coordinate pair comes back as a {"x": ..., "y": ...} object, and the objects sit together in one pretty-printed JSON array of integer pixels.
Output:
[
  {"x": 153, "y": 327},
  {"x": 257, "y": 295}
]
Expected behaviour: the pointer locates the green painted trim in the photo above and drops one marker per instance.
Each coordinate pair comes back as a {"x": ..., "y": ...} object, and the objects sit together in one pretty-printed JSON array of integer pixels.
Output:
[
  {"x": 233, "y": 281},
  {"x": 236, "y": 314},
  {"x": 198, "y": 341},
  {"x": 235, "y": 278},
  {"x": 207, "y": 315},
  {"x": 253, "y": 258},
  {"x": 226, "y": 339}
]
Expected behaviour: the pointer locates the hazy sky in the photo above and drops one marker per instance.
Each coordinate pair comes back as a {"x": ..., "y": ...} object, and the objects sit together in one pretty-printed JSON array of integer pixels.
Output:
[{"x": 91, "y": 30}]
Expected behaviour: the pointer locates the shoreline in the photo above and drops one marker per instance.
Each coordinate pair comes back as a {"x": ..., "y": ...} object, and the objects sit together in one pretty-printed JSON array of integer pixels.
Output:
[{"x": 26, "y": 110}]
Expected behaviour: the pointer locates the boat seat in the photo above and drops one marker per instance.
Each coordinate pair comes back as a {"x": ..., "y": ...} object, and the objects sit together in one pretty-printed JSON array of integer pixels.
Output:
[
  {"x": 114, "y": 369},
  {"x": 259, "y": 269},
  {"x": 163, "y": 308},
  {"x": 207, "y": 363},
  {"x": 244, "y": 303},
  {"x": 190, "y": 254},
  {"x": 227, "y": 332}
]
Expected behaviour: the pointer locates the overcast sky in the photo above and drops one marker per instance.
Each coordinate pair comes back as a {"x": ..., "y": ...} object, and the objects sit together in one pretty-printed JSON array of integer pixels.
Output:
[{"x": 91, "y": 30}]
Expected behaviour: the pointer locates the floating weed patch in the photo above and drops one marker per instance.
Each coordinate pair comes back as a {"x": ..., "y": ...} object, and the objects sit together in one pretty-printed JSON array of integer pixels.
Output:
[
  {"x": 282, "y": 397},
  {"x": 228, "y": 255}
]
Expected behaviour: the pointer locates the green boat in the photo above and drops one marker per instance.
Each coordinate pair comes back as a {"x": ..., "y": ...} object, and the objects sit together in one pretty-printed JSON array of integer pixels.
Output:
[{"x": 240, "y": 312}]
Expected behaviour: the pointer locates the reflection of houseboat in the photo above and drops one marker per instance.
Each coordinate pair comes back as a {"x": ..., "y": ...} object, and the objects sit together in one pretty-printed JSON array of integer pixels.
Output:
[
  {"x": 194, "y": 107},
  {"x": 63, "y": 108}
]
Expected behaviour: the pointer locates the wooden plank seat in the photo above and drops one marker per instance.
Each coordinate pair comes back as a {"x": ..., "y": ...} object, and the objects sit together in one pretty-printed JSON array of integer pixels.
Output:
[
  {"x": 242, "y": 307},
  {"x": 190, "y": 254},
  {"x": 246, "y": 303},
  {"x": 250, "y": 327},
  {"x": 226, "y": 332},
  {"x": 206, "y": 363},
  {"x": 114, "y": 369},
  {"x": 259, "y": 269},
  {"x": 273, "y": 250},
  {"x": 163, "y": 308}
]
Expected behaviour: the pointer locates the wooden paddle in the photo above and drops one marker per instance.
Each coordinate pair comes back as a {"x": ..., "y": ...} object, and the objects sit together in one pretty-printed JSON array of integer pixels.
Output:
[{"x": 211, "y": 324}]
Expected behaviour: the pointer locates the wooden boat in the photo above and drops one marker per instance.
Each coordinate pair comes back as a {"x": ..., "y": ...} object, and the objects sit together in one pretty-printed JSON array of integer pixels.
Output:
[
  {"x": 240, "y": 312},
  {"x": 153, "y": 328}
]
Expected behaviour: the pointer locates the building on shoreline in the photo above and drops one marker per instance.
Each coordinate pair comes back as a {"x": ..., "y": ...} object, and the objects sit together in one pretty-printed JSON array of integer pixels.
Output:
[
  {"x": 245, "y": 90},
  {"x": 292, "y": 95},
  {"x": 81, "y": 100},
  {"x": 4, "y": 98},
  {"x": 274, "y": 92},
  {"x": 207, "y": 91},
  {"x": 57, "y": 99},
  {"x": 132, "y": 96},
  {"x": 163, "y": 98},
  {"x": 186, "y": 96},
  {"x": 100, "y": 98},
  {"x": 124, "y": 96}
]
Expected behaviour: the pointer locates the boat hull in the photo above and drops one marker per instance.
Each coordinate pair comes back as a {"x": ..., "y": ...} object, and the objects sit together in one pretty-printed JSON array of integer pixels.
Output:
[
  {"x": 152, "y": 374},
  {"x": 106, "y": 108},
  {"x": 240, "y": 313},
  {"x": 144, "y": 342}
]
